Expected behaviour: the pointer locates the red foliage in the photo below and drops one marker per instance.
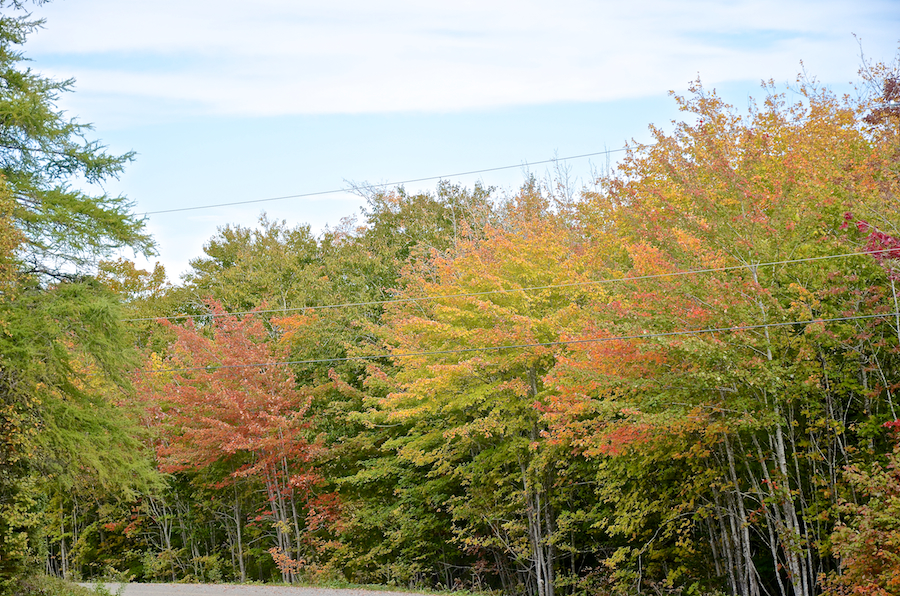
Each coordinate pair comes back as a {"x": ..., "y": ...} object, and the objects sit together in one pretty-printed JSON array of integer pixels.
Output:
[
  {"x": 324, "y": 512},
  {"x": 286, "y": 564},
  {"x": 213, "y": 407},
  {"x": 884, "y": 248},
  {"x": 620, "y": 437}
]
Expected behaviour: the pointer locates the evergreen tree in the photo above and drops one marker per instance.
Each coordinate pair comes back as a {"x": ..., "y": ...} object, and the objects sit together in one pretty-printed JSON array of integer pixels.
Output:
[
  {"x": 62, "y": 352},
  {"x": 43, "y": 155}
]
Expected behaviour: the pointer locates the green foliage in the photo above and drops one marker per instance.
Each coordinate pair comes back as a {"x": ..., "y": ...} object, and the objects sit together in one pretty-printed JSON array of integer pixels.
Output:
[
  {"x": 68, "y": 383},
  {"x": 43, "y": 156},
  {"x": 64, "y": 410},
  {"x": 867, "y": 539},
  {"x": 42, "y": 585},
  {"x": 68, "y": 423}
]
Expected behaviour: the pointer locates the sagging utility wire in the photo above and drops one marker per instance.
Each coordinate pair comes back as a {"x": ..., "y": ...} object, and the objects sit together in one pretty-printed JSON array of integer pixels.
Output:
[
  {"x": 511, "y": 290},
  {"x": 389, "y": 184}
]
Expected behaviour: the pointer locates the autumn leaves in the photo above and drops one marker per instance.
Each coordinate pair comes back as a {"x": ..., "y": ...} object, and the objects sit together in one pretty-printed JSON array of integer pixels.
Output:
[{"x": 660, "y": 382}]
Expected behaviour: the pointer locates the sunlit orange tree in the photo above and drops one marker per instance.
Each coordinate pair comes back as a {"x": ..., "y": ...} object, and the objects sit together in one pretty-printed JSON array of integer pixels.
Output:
[{"x": 473, "y": 334}]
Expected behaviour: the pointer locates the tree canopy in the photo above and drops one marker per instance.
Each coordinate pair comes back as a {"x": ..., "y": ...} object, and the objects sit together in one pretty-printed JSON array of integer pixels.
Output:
[{"x": 681, "y": 381}]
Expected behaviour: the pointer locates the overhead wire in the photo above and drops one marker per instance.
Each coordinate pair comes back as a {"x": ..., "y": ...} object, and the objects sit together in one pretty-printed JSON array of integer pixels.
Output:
[
  {"x": 490, "y": 292},
  {"x": 388, "y": 184},
  {"x": 524, "y": 346},
  {"x": 511, "y": 290}
]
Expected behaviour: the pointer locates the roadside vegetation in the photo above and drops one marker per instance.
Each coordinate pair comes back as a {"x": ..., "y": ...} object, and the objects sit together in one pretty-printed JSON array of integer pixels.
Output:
[
  {"x": 44, "y": 585},
  {"x": 681, "y": 379}
]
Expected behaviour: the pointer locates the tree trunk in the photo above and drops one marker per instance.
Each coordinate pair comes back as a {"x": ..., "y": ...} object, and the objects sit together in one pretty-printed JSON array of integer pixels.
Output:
[{"x": 239, "y": 534}]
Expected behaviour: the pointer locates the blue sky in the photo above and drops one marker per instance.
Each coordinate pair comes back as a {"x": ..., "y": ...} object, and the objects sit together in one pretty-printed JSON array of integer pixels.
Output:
[{"x": 228, "y": 101}]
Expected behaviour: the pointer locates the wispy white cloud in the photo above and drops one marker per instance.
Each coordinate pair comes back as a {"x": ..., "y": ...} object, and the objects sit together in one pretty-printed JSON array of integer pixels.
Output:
[{"x": 275, "y": 57}]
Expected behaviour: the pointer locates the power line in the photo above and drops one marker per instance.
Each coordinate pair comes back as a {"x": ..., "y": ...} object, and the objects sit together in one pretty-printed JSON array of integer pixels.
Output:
[
  {"x": 511, "y": 290},
  {"x": 530, "y": 345},
  {"x": 387, "y": 184}
]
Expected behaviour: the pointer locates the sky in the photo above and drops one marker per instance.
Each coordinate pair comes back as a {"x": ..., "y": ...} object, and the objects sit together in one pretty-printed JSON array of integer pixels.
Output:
[{"x": 225, "y": 101}]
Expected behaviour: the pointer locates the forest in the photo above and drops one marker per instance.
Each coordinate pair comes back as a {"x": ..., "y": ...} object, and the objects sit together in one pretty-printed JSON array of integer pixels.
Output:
[{"x": 676, "y": 380}]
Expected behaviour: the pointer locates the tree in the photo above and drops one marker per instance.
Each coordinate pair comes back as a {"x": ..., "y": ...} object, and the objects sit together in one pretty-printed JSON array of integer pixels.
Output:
[
  {"x": 473, "y": 418},
  {"x": 213, "y": 409},
  {"x": 43, "y": 155},
  {"x": 62, "y": 351}
]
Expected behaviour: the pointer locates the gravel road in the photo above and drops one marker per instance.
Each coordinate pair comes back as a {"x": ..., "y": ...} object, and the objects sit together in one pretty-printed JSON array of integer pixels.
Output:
[{"x": 232, "y": 590}]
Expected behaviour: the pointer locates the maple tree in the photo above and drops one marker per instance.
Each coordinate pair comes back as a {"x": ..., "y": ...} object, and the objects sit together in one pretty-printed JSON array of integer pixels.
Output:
[{"x": 213, "y": 408}]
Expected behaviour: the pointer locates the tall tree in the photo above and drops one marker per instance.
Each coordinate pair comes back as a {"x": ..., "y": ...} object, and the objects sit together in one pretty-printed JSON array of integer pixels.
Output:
[
  {"x": 472, "y": 413},
  {"x": 61, "y": 348},
  {"x": 213, "y": 409}
]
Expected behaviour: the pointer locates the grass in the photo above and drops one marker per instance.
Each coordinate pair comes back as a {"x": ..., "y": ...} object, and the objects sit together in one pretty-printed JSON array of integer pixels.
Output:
[
  {"x": 345, "y": 585},
  {"x": 42, "y": 585}
]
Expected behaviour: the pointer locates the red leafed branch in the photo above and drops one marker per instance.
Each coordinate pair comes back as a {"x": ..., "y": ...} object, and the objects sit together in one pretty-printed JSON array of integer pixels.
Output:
[{"x": 884, "y": 248}]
